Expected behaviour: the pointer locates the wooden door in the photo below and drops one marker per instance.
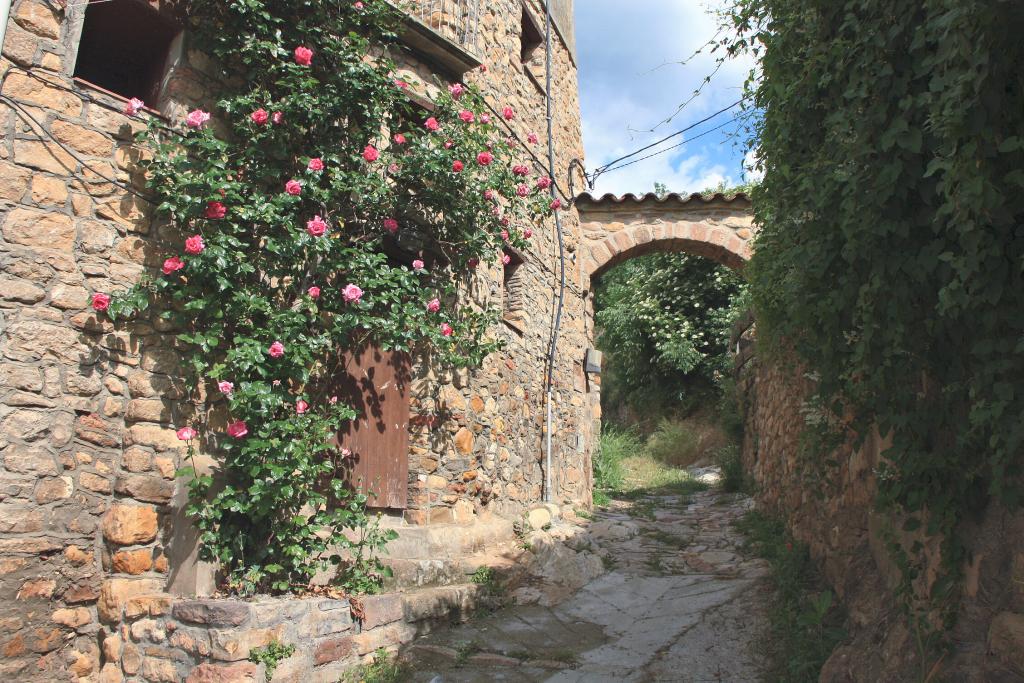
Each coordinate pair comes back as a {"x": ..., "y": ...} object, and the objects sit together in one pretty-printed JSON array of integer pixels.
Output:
[{"x": 376, "y": 384}]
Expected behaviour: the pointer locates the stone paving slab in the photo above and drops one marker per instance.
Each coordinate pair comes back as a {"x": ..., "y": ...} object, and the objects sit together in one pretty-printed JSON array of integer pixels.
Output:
[{"x": 681, "y": 604}]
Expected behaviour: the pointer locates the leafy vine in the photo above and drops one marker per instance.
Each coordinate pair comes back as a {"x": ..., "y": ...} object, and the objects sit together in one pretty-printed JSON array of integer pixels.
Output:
[{"x": 890, "y": 248}]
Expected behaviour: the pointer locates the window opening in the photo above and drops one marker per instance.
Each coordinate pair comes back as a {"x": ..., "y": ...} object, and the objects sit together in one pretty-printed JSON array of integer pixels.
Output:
[{"x": 124, "y": 48}]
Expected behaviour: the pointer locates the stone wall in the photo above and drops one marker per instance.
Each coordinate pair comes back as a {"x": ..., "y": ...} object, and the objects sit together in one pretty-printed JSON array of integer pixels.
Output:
[
  {"x": 828, "y": 503},
  {"x": 488, "y": 455},
  {"x": 91, "y": 515}
]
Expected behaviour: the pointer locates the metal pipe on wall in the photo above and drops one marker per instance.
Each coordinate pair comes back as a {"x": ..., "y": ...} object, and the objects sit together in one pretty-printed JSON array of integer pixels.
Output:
[
  {"x": 5, "y": 11},
  {"x": 553, "y": 350}
]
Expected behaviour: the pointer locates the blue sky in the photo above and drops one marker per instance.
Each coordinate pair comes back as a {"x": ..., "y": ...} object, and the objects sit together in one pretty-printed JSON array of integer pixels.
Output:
[{"x": 631, "y": 81}]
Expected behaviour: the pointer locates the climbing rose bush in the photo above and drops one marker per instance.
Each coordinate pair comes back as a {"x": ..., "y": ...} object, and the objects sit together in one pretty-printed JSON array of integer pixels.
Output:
[{"x": 344, "y": 218}]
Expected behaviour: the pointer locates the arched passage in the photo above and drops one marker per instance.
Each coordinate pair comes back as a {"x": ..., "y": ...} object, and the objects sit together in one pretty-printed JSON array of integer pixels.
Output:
[{"x": 615, "y": 229}]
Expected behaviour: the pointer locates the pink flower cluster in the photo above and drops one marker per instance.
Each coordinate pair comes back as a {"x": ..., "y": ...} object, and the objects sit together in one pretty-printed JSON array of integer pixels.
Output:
[
  {"x": 352, "y": 294},
  {"x": 316, "y": 227}
]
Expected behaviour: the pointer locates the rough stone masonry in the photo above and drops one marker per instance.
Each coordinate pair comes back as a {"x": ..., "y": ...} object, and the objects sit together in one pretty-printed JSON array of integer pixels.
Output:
[{"x": 97, "y": 559}]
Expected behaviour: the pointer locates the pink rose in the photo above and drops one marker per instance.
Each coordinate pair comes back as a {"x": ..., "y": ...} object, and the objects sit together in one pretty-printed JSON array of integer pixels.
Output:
[
  {"x": 532, "y": 138},
  {"x": 505, "y": 221},
  {"x": 358, "y": 5},
  {"x": 370, "y": 153},
  {"x": 467, "y": 116},
  {"x": 522, "y": 190},
  {"x": 276, "y": 350},
  {"x": 417, "y": 265},
  {"x": 556, "y": 204},
  {"x": 458, "y": 166},
  {"x": 301, "y": 406},
  {"x": 134, "y": 106},
  {"x": 316, "y": 164},
  {"x": 489, "y": 195},
  {"x": 434, "y": 306},
  {"x": 346, "y": 453},
  {"x": 277, "y": 118},
  {"x": 293, "y": 187},
  {"x": 527, "y": 233},
  {"x": 173, "y": 264},
  {"x": 504, "y": 235},
  {"x": 352, "y": 294},
  {"x": 473, "y": 262},
  {"x": 483, "y": 68},
  {"x": 448, "y": 144},
  {"x": 400, "y": 84},
  {"x": 457, "y": 90},
  {"x": 544, "y": 182},
  {"x": 506, "y": 259},
  {"x": 314, "y": 292},
  {"x": 303, "y": 56},
  {"x": 334, "y": 400},
  {"x": 197, "y": 118},
  {"x": 508, "y": 113},
  {"x": 447, "y": 330},
  {"x": 432, "y": 125},
  {"x": 391, "y": 225},
  {"x": 186, "y": 434},
  {"x": 521, "y": 170},
  {"x": 484, "y": 158},
  {"x": 194, "y": 245},
  {"x": 496, "y": 210},
  {"x": 316, "y": 227},
  {"x": 260, "y": 117},
  {"x": 100, "y": 302},
  {"x": 237, "y": 429},
  {"x": 394, "y": 168},
  {"x": 215, "y": 210},
  {"x": 399, "y": 139},
  {"x": 485, "y": 118},
  {"x": 225, "y": 387}
]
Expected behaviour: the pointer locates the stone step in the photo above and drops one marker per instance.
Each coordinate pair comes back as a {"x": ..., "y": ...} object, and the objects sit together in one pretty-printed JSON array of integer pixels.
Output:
[
  {"x": 447, "y": 541},
  {"x": 409, "y": 574}
]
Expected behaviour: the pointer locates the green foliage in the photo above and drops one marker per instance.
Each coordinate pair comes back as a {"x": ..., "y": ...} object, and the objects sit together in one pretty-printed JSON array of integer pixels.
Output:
[
  {"x": 277, "y": 505},
  {"x": 271, "y": 656},
  {"x": 383, "y": 669},
  {"x": 806, "y": 622},
  {"x": 890, "y": 253},
  {"x": 734, "y": 478},
  {"x": 664, "y": 323},
  {"x": 615, "y": 446}
]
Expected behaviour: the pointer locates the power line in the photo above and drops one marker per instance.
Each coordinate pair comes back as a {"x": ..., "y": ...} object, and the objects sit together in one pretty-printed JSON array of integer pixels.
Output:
[
  {"x": 593, "y": 178},
  {"x": 668, "y": 149}
]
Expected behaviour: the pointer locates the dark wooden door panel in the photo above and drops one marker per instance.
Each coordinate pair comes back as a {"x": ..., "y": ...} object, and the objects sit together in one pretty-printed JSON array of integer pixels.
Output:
[{"x": 376, "y": 384}]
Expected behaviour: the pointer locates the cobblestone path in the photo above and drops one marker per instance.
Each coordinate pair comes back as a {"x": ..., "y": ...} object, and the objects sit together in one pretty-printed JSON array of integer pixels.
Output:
[{"x": 679, "y": 603}]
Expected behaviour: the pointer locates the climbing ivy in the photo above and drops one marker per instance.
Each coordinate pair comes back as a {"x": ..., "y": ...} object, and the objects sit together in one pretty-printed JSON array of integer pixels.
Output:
[
  {"x": 891, "y": 250},
  {"x": 318, "y": 211}
]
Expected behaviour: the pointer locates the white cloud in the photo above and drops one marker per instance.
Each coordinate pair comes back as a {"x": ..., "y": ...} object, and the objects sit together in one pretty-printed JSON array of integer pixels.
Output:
[{"x": 631, "y": 81}]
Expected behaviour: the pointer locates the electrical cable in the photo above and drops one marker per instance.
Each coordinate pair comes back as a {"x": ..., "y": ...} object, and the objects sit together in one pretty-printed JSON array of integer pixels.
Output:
[
  {"x": 31, "y": 120},
  {"x": 668, "y": 149},
  {"x": 605, "y": 167}
]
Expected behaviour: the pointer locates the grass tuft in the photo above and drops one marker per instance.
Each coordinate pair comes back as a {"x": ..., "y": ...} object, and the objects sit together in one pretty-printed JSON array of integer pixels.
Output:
[{"x": 806, "y": 622}]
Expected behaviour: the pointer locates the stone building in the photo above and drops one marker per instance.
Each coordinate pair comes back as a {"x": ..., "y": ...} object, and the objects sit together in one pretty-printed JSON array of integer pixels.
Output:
[{"x": 97, "y": 558}]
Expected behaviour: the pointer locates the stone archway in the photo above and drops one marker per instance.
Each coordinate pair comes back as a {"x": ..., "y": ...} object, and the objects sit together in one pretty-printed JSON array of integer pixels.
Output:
[{"x": 619, "y": 228}]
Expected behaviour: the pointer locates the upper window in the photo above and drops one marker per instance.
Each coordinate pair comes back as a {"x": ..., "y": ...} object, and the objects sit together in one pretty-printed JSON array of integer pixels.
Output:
[
  {"x": 531, "y": 42},
  {"x": 514, "y": 304},
  {"x": 124, "y": 48}
]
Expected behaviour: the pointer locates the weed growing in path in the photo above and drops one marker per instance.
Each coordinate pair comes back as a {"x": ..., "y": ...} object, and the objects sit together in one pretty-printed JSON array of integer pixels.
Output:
[
  {"x": 384, "y": 668},
  {"x": 806, "y": 623}
]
